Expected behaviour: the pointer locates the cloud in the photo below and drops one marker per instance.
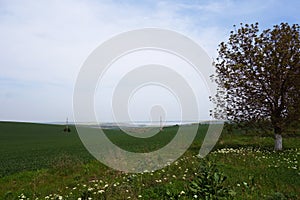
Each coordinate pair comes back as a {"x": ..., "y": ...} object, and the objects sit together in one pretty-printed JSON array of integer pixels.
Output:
[{"x": 44, "y": 43}]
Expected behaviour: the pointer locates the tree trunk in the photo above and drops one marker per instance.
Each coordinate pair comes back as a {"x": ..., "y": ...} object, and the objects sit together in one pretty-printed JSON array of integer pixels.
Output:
[
  {"x": 278, "y": 142},
  {"x": 278, "y": 138}
]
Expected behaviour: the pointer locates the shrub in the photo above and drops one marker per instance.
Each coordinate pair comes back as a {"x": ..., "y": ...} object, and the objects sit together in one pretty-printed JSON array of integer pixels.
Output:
[{"x": 209, "y": 183}]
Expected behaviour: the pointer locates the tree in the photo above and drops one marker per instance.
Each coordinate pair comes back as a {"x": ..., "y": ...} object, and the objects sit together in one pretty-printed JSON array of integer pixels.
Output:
[{"x": 258, "y": 78}]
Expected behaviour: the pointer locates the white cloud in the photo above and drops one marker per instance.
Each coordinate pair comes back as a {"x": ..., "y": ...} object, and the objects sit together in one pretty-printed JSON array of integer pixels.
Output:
[{"x": 44, "y": 43}]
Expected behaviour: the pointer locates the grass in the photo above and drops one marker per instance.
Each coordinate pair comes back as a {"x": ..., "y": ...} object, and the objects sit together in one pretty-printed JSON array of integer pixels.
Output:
[
  {"x": 41, "y": 161},
  {"x": 26, "y": 146}
]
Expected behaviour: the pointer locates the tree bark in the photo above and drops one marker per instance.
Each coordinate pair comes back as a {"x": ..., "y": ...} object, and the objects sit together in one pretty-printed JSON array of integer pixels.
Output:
[
  {"x": 278, "y": 142},
  {"x": 278, "y": 136}
]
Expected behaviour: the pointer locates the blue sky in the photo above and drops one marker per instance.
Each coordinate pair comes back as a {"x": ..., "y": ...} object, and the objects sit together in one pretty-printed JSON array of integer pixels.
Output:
[{"x": 44, "y": 43}]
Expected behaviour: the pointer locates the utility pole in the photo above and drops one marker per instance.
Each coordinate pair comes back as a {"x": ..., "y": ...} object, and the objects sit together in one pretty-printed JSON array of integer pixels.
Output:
[
  {"x": 67, "y": 129},
  {"x": 161, "y": 124}
]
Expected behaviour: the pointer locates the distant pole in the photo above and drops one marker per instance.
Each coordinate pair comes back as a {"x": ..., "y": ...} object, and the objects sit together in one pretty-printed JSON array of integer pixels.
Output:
[
  {"x": 161, "y": 124},
  {"x": 67, "y": 129}
]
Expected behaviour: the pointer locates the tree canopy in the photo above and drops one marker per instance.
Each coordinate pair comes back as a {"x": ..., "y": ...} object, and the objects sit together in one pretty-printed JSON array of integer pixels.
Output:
[{"x": 258, "y": 74}]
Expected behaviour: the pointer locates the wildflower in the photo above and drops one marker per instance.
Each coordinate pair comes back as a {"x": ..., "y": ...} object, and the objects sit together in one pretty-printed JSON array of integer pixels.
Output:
[
  {"x": 140, "y": 196},
  {"x": 101, "y": 191},
  {"x": 195, "y": 196},
  {"x": 182, "y": 192},
  {"x": 116, "y": 184}
]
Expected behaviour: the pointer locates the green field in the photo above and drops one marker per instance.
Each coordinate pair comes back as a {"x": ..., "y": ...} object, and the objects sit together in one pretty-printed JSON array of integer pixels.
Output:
[{"x": 39, "y": 161}]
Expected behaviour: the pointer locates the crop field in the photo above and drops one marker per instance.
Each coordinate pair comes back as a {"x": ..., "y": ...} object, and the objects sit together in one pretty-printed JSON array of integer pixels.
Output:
[{"x": 40, "y": 161}]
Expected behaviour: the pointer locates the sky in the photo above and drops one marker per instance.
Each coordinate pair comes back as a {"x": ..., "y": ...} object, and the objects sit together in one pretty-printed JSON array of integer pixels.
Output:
[{"x": 45, "y": 43}]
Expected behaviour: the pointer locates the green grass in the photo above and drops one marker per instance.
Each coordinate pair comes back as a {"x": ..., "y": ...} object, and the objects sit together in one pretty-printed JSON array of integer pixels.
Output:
[
  {"x": 26, "y": 146},
  {"x": 39, "y": 160}
]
